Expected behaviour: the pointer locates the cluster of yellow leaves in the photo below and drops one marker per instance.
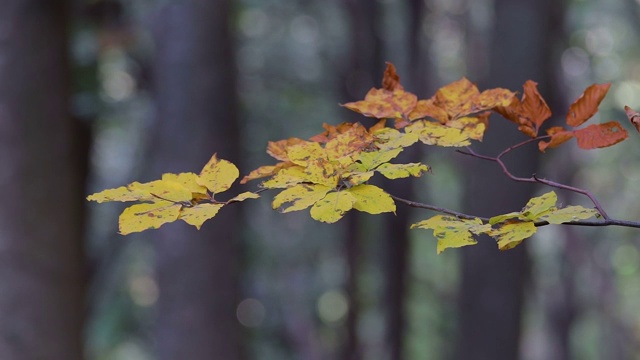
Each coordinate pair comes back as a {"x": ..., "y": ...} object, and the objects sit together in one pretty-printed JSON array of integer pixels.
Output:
[
  {"x": 329, "y": 173},
  {"x": 185, "y": 196},
  {"x": 509, "y": 230}
]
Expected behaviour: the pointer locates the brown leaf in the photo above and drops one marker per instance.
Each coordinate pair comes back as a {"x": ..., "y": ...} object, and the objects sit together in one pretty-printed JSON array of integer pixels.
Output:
[
  {"x": 558, "y": 136},
  {"x": 633, "y": 116},
  {"x": 529, "y": 113},
  {"x": 600, "y": 135},
  {"x": 587, "y": 104},
  {"x": 391, "y": 80},
  {"x": 428, "y": 108}
]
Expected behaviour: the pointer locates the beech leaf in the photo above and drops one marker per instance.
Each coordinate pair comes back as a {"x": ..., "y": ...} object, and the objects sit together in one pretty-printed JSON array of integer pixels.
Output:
[
  {"x": 198, "y": 214},
  {"x": 333, "y": 206},
  {"x": 140, "y": 217},
  {"x": 510, "y": 235},
  {"x": 600, "y": 135},
  {"x": 218, "y": 175},
  {"x": 299, "y": 197},
  {"x": 371, "y": 199},
  {"x": 587, "y": 104},
  {"x": 453, "y": 232}
]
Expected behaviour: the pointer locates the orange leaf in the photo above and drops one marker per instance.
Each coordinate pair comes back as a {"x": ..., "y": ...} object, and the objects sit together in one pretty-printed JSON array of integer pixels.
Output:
[
  {"x": 452, "y": 97},
  {"x": 278, "y": 149},
  {"x": 633, "y": 116},
  {"x": 600, "y": 135},
  {"x": 529, "y": 113},
  {"x": 428, "y": 108},
  {"x": 391, "y": 80},
  {"x": 382, "y": 104},
  {"x": 558, "y": 136},
  {"x": 587, "y": 104}
]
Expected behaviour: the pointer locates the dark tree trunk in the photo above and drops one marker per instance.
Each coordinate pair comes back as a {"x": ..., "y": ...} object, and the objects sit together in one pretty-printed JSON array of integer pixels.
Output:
[
  {"x": 196, "y": 116},
  {"x": 41, "y": 182},
  {"x": 363, "y": 65},
  {"x": 493, "y": 282}
]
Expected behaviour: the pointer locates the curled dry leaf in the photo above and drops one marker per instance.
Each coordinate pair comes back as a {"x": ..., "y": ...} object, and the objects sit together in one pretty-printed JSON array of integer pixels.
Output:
[{"x": 633, "y": 116}]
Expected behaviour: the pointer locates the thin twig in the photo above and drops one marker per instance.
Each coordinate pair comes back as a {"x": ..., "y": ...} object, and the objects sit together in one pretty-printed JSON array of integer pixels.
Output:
[{"x": 437, "y": 209}]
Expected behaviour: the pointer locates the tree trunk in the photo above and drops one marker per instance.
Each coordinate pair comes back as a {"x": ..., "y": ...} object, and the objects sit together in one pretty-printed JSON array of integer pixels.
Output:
[
  {"x": 493, "y": 282},
  {"x": 363, "y": 65},
  {"x": 196, "y": 116},
  {"x": 41, "y": 255}
]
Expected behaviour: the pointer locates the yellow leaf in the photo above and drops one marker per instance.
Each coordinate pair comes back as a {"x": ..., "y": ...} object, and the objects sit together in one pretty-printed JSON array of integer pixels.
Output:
[
  {"x": 264, "y": 171},
  {"x": 333, "y": 206},
  {"x": 188, "y": 180},
  {"x": 432, "y": 133},
  {"x": 453, "y": 232},
  {"x": 299, "y": 197},
  {"x": 322, "y": 171},
  {"x": 372, "y": 199},
  {"x": 150, "y": 191},
  {"x": 501, "y": 218},
  {"x": 286, "y": 178},
  {"x": 218, "y": 175},
  {"x": 398, "y": 171},
  {"x": 121, "y": 194},
  {"x": 472, "y": 127},
  {"x": 145, "y": 216},
  {"x": 356, "y": 178},
  {"x": 244, "y": 196},
  {"x": 306, "y": 152},
  {"x": 539, "y": 205},
  {"x": 198, "y": 214},
  {"x": 388, "y": 138},
  {"x": 511, "y": 235},
  {"x": 568, "y": 214},
  {"x": 370, "y": 160}
]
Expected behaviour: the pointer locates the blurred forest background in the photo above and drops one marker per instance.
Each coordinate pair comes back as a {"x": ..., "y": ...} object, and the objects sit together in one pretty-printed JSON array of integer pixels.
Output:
[{"x": 100, "y": 93}]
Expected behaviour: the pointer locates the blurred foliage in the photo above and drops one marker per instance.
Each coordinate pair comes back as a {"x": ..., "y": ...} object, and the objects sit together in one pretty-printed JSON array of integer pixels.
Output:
[{"x": 288, "y": 53}]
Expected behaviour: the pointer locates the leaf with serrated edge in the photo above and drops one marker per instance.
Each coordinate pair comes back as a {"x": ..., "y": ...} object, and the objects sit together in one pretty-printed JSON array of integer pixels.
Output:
[
  {"x": 371, "y": 199},
  {"x": 511, "y": 235},
  {"x": 200, "y": 213},
  {"x": 333, "y": 206},
  {"x": 568, "y": 214},
  {"x": 299, "y": 197},
  {"x": 398, "y": 171},
  {"x": 140, "y": 217},
  {"x": 218, "y": 175}
]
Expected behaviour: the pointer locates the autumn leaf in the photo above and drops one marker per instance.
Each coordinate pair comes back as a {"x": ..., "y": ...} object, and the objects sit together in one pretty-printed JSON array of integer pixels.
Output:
[
  {"x": 600, "y": 135},
  {"x": 568, "y": 214},
  {"x": 432, "y": 133},
  {"x": 388, "y": 139},
  {"x": 371, "y": 199},
  {"x": 558, "y": 137},
  {"x": 587, "y": 104},
  {"x": 266, "y": 171},
  {"x": 299, "y": 197},
  {"x": 453, "y": 232},
  {"x": 391, "y": 80},
  {"x": 140, "y": 217},
  {"x": 333, "y": 206},
  {"x": 399, "y": 171},
  {"x": 151, "y": 191},
  {"x": 462, "y": 98},
  {"x": 633, "y": 116},
  {"x": 197, "y": 215},
  {"x": 529, "y": 113},
  {"x": 218, "y": 175},
  {"x": 511, "y": 234},
  {"x": 278, "y": 149},
  {"x": 381, "y": 104}
]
